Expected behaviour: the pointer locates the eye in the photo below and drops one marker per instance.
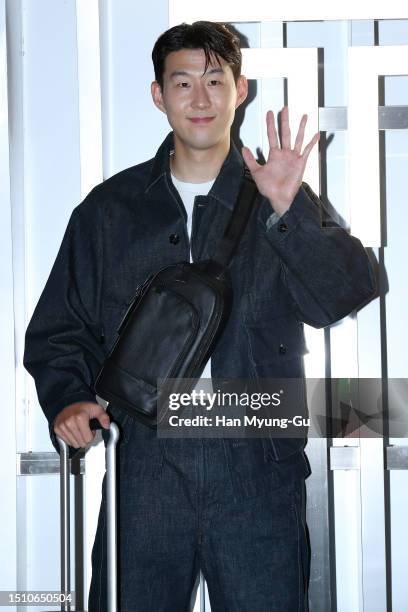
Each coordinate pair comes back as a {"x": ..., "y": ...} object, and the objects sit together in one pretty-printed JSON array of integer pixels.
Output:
[
  {"x": 215, "y": 81},
  {"x": 181, "y": 84}
]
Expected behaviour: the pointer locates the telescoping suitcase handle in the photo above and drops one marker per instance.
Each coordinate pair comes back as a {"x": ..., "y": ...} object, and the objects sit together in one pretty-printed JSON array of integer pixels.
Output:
[{"x": 111, "y": 516}]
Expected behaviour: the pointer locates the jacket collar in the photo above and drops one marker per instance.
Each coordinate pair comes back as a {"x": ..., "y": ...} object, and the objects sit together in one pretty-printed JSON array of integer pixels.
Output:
[{"x": 226, "y": 185}]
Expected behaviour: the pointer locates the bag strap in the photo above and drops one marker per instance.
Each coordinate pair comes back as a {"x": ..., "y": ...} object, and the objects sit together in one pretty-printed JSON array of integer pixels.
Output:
[{"x": 238, "y": 220}]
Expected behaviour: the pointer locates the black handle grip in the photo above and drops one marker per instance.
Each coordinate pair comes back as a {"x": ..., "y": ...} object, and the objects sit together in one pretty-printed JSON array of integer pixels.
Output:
[{"x": 95, "y": 424}]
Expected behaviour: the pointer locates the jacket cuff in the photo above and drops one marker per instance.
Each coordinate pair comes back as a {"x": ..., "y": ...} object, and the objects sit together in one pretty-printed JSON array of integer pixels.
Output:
[{"x": 304, "y": 208}]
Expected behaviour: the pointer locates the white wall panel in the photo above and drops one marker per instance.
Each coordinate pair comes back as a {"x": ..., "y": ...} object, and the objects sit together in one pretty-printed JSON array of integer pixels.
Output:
[
  {"x": 133, "y": 127},
  {"x": 8, "y": 517}
]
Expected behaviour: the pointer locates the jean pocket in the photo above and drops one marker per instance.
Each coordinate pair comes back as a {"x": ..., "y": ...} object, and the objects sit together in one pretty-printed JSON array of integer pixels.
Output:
[
  {"x": 279, "y": 450},
  {"x": 251, "y": 474}
]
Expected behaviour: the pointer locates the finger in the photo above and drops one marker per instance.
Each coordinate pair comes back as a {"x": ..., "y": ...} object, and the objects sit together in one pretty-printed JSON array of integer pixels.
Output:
[
  {"x": 271, "y": 129},
  {"x": 88, "y": 435},
  {"x": 285, "y": 129},
  {"x": 300, "y": 134},
  {"x": 250, "y": 160},
  {"x": 310, "y": 146},
  {"x": 75, "y": 429},
  {"x": 63, "y": 433},
  {"x": 82, "y": 429}
]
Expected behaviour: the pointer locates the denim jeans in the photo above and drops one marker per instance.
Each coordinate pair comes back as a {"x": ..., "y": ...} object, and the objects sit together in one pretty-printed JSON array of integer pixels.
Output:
[{"x": 219, "y": 504}]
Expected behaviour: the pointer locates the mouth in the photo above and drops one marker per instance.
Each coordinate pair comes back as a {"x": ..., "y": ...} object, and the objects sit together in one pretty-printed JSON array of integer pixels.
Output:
[{"x": 201, "y": 120}]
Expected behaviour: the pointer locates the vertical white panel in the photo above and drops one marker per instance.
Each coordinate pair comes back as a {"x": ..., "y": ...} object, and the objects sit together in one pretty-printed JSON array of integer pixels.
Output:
[
  {"x": 8, "y": 558},
  {"x": 396, "y": 330},
  {"x": 364, "y": 66},
  {"x": 18, "y": 230},
  {"x": 373, "y": 524},
  {"x": 89, "y": 94},
  {"x": 347, "y": 538},
  {"x": 133, "y": 127},
  {"x": 45, "y": 185},
  {"x": 90, "y": 154},
  {"x": 51, "y": 150}
]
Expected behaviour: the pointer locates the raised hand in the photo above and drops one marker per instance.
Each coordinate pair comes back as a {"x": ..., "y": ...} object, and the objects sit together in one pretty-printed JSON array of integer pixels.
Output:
[{"x": 280, "y": 178}]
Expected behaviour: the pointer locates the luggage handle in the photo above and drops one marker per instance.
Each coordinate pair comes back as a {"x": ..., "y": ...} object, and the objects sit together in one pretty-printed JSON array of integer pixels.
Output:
[{"x": 94, "y": 424}]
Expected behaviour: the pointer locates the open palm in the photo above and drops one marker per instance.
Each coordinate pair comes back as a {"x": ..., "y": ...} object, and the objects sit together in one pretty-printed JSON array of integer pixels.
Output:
[{"x": 280, "y": 178}]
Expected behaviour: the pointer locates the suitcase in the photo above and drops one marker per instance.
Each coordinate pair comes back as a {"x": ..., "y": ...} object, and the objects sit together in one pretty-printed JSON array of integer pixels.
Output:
[{"x": 111, "y": 521}]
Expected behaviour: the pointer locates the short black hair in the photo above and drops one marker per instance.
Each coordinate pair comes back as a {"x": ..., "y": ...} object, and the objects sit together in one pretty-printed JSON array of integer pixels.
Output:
[{"x": 211, "y": 36}]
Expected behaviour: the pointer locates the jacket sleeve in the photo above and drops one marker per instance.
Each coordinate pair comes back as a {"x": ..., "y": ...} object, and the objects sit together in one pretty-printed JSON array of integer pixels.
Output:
[
  {"x": 326, "y": 270},
  {"x": 63, "y": 350}
]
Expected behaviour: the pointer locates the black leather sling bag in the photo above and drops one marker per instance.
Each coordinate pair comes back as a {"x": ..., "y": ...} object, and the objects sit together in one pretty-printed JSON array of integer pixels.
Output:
[{"x": 172, "y": 325}]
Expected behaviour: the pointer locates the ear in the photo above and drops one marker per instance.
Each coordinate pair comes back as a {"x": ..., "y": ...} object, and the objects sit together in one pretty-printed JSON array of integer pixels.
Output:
[
  {"x": 157, "y": 96},
  {"x": 242, "y": 90}
]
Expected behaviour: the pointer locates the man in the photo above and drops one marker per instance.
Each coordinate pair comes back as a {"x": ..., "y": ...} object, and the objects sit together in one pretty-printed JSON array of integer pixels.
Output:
[{"x": 234, "y": 508}]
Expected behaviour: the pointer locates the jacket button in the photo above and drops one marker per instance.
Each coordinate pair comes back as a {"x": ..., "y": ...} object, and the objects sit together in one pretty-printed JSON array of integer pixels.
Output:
[
  {"x": 283, "y": 227},
  {"x": 174, "y": 238},
  {"x": 282, "y": 349}
]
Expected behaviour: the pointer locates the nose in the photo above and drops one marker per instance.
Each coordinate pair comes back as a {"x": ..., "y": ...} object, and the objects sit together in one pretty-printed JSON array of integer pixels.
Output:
[{"x": 200, "y": 97}]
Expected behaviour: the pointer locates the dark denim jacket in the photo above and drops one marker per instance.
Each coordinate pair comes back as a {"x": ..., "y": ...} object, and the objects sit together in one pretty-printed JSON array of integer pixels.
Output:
[{"x": 284, "y": 274}]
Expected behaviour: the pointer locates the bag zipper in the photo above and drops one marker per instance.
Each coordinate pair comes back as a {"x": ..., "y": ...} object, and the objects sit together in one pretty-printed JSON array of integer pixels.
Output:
[
  {"x": 193, "y": 333},
  {"x": 140, "y": 289}
]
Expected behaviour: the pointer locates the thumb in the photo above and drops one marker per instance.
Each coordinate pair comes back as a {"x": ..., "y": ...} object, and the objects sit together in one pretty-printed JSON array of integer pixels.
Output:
[
  {"x": 249, "y": 159},
  {"x": 100, "y": 414},
  {"x": 104, "y": 420}
]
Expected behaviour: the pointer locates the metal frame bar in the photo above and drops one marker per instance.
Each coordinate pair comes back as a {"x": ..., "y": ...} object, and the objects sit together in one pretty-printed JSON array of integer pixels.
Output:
[
  {"x": 111, "y": 519},
  {"x": 341, "y": 458}
]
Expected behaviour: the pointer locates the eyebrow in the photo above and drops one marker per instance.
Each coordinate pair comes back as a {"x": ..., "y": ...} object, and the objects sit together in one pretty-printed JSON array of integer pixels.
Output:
[{"x": 177, "y": 73}]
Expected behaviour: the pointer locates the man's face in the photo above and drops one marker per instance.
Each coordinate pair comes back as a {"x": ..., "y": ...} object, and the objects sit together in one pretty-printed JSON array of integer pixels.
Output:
[{"x": 189, "y": 96}]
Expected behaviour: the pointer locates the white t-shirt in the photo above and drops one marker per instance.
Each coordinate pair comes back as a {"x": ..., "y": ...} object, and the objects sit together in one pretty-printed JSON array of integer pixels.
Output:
[{"x": 187, "y": 192}]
